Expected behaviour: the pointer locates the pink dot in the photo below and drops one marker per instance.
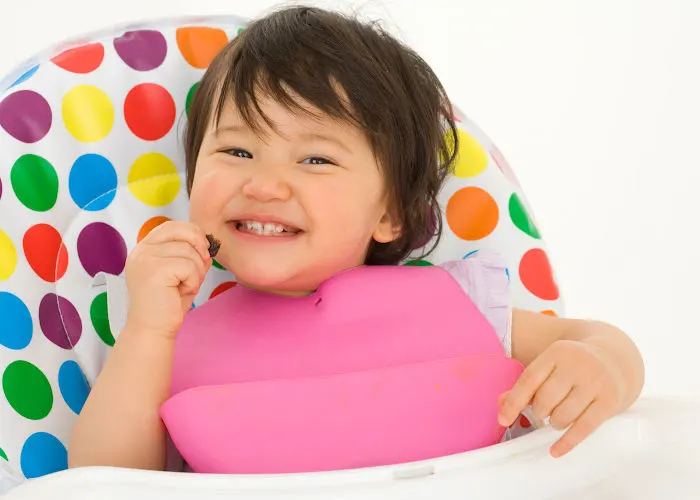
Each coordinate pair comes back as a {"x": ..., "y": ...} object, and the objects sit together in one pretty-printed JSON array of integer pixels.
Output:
[
  {"x": 101, "y": 248},
  {"x": 26, "y": 116},
  {"x": 503, "y": 165},
  {"x": 60, "y": 321}
]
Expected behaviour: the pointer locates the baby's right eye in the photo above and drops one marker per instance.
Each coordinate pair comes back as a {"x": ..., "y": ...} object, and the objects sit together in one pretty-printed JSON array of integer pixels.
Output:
[{"x": 240, "y": 153}]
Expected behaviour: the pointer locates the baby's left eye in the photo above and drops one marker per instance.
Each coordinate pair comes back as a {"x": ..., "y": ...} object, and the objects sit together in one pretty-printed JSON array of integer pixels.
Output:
[{"x": 317, "y": 160}]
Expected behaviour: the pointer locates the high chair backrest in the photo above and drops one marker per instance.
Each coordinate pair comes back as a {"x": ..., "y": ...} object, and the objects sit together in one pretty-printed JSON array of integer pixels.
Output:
[{"x": 91, "y": 159}]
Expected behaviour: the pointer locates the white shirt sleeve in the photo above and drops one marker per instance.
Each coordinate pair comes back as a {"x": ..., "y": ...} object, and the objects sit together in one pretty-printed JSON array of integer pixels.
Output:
[{"x": 484, "y": 278}]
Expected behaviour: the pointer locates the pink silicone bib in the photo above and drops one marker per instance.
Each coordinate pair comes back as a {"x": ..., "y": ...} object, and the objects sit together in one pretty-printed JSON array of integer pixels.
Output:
[{"x": 381, "y": 365}]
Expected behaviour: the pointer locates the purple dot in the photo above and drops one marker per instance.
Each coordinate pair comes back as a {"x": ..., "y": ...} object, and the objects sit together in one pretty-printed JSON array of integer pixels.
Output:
[
  {"x": 142, "y": 50},
  {"x": 60, "y": 321},
  {"x": 430, "y": 234},
  {"x": 0, "y": 189},
  {"x": 101, "y": 248},
  {"x": 26, "y": 116}
]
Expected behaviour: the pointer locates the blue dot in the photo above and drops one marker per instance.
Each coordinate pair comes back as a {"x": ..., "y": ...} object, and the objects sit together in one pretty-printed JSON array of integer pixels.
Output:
[
  {"x": 25, "y": 76},
  {"x": 42, "y": 454},
  {"x": 508, "y": 274},
  {"x": 16, "y": 322},
  {"x": 92, "y": 182},
  {"x": 73, "y": 385},
  {"x": 470, "y": 254}
]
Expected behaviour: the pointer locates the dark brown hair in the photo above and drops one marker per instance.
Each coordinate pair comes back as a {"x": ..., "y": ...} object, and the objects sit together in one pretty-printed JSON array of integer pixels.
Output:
[{"x": 389, "y": 92}]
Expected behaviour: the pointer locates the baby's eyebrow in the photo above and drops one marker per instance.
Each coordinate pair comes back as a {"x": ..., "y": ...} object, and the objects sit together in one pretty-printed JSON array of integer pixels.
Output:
[
  {"x": 317, "y": 136},
  {"x": 230, "y": 128}
]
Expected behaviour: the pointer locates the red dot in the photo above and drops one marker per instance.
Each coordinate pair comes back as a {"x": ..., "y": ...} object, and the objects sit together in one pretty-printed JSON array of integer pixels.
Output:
[
  {"x": 524, "y": 422},
  {"x": 536, "y": 274},
  {"x": 222, "y": 288},
  {"x": 45, "y": 252},
  {"x": 149, "y": 111},
  {"x": 81, "y": 60}
]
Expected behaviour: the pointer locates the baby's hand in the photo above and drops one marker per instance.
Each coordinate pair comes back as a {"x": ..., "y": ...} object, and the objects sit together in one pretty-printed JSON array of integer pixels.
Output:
[
  {"x": 574, "y": 384},
  {"x": 163, "y": 275}
]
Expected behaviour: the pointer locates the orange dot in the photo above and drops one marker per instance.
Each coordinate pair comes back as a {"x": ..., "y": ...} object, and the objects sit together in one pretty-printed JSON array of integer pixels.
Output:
[
  {"x": 549, "y": 312},
  {"x": 472, "y": 213},
  {"x": 537, "y": 276},
  {"x": 81, "y": 60},
  {"x": 149, "y": 226},
  {"x": 45, "y": 252},
  {"x": 222, "y": 288},
  {"x": 199, "y": 45}
]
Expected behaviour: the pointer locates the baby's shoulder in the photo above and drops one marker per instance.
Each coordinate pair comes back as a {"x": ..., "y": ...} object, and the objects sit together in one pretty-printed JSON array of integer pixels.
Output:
[{"x": 479, "y": 269}]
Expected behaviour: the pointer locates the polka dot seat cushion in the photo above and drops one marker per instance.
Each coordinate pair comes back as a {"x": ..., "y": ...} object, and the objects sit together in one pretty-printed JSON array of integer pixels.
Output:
[{"x": 91, "y": 160}]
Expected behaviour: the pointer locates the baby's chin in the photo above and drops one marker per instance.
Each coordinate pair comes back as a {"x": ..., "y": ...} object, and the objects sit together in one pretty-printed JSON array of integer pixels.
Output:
[{"x": 275, "y": 279}]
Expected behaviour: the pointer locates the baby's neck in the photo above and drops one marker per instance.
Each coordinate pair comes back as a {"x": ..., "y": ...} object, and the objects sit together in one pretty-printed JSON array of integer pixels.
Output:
[{"x": 284, "y": 293}]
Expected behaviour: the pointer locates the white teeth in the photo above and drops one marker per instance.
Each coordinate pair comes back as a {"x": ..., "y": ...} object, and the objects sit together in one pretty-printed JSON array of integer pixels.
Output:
[
  {"x": 272, "y": 228},
  {"x": 260, "y": 228}
]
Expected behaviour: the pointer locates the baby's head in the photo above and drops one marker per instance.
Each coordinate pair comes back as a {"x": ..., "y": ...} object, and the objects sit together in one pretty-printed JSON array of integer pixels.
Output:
[{"x": 316, "y": 143}]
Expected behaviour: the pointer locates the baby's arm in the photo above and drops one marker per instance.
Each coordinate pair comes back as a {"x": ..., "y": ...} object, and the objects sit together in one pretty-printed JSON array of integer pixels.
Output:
[
  {"x": 120, "y": 424},
  {"x": 578, "y": 373}
]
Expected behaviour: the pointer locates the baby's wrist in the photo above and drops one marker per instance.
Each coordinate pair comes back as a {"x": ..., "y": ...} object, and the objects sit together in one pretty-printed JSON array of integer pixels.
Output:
[{"x": 146, "y": 333}]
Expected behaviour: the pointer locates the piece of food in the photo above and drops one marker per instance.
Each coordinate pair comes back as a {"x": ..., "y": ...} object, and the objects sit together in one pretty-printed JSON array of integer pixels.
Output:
[{"x": 214, "y": 245}]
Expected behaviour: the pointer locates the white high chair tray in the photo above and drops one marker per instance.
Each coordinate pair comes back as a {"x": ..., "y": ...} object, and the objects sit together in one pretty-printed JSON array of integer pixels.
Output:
[{"x": 650, "y": 452}]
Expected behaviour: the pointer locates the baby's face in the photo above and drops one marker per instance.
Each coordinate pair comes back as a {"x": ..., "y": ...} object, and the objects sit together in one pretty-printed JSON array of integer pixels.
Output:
[{"x": 291, "y": 208}]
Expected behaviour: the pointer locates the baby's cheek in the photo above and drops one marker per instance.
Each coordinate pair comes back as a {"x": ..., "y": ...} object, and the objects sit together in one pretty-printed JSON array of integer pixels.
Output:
[{"x": 206, "y": 201}]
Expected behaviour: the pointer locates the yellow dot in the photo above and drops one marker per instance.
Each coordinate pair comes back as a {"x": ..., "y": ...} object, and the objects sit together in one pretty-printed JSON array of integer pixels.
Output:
[
  {"x": 8, "y": 256},
  {"x": 153, "y": 180},
  {"x": 471, "y": 158},
  {"x": 88, "y": 113}
]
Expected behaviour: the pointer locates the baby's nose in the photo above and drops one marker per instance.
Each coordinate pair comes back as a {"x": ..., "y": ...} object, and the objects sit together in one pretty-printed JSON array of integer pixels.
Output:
[{"x": 267, "y": 185}]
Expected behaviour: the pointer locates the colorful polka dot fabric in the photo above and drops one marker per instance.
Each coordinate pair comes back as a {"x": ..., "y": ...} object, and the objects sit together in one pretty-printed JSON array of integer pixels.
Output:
[{"x": 91, "y": 160}]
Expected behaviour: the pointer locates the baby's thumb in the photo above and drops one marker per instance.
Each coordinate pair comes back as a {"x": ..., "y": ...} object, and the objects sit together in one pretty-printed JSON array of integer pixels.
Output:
[{"x": 187, "y": 302}]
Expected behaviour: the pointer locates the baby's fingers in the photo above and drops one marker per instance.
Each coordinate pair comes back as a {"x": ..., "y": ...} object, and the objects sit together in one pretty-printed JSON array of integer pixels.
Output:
[
  {"x": 174, "y": 231},
  {"x": 571, "y": 408},
  {"x": 185, "y": 251},
  {"x": 551, "y": 394},
  {"x": 524, "y": 390},
  {"x": 185, "y": 274},
  {"x": 588, "y": 422}
]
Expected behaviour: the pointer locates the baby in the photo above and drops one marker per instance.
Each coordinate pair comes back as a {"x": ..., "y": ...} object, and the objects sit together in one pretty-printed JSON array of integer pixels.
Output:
[{"x": 317, "y": 144}]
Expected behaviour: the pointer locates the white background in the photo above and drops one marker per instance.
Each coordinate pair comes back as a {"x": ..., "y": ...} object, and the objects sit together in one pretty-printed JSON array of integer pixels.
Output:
[{"x": 596, "y": 104}]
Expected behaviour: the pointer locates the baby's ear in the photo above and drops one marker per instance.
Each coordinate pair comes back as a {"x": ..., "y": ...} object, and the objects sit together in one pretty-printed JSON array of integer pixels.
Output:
[{"x": 387, "y": 230}]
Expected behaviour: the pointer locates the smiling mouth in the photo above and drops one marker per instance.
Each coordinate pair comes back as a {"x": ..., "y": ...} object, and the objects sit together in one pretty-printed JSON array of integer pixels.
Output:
[{"x": 266, "y": 228}]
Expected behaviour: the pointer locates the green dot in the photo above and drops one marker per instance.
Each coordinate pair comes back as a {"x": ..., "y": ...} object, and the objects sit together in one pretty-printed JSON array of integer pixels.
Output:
[
  {"x": 27, "y": 390},
  {"x": 190, "y": 96},
  {"x": 2, "y": 454},
  {"x": 35, "y": 182},
  {"x": 520, "y": 217},
  {"x": 217, "y": 265},
  {"x": 240, "y": 30},
  {"x": 100, "y": 318},
  {"x": 418, "y": 263}
]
